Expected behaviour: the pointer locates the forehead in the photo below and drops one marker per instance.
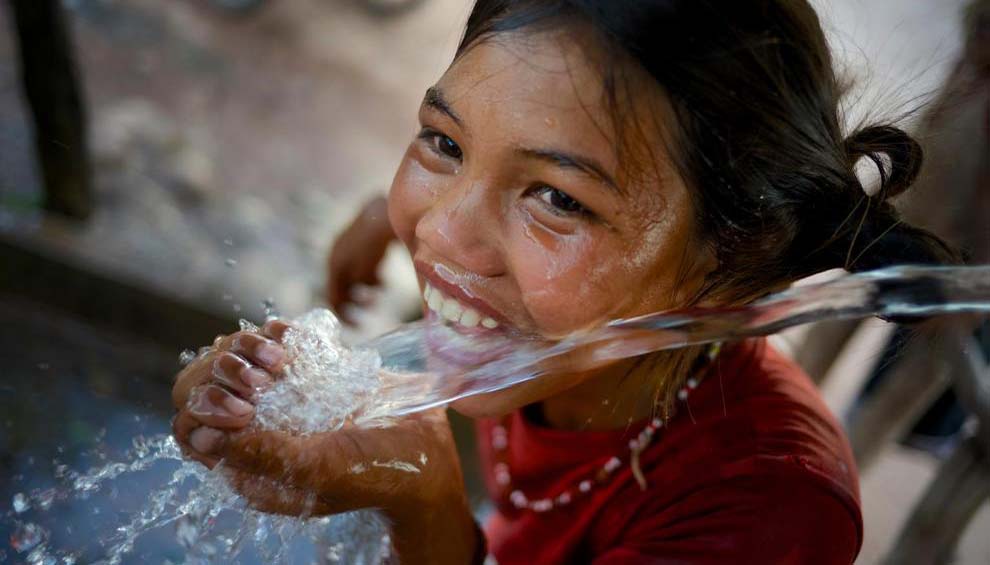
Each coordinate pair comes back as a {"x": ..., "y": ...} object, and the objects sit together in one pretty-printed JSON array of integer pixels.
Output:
[{"x": 549, "y": 88}]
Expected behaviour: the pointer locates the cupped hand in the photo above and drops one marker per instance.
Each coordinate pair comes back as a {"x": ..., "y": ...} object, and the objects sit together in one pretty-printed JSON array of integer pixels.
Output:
[
  {"x": 217, "y": 391},
  {"x": 410, "y": 470}
]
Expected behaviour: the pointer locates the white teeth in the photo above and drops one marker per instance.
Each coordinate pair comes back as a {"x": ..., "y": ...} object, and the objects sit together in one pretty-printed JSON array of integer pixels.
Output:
[
  {"x": 434, "y": 300},
  {"x": 470, "y": 318},
  {"x": 452, "y": 310}
]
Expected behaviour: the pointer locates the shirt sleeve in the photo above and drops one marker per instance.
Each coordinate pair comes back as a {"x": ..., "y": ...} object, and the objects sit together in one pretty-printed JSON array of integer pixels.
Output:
[{"x": 767, "y": 519}]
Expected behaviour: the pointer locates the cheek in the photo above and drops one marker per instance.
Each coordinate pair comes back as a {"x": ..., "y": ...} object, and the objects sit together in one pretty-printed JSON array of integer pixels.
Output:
[
  {"x": 566, "y": 281},
  {"x": 412, "y": 194}
]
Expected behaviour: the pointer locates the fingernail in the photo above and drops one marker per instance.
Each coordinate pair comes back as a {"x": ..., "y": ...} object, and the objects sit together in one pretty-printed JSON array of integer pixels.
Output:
[
  {"x": 205, "y": 440},
  {"x": 255, "y": 378},
  {"x": 236, "y": 406},
  {"x": 269, "y": 354}
]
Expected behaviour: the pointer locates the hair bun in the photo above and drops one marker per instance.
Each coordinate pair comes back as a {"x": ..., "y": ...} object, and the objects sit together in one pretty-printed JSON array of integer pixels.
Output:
[{"x": 903, "y": 156}]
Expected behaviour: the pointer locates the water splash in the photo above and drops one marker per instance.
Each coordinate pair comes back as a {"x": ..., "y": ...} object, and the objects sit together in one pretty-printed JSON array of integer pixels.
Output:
[
  {"x": 421, "y": 376},
  {"x": 422, "y": 365}
]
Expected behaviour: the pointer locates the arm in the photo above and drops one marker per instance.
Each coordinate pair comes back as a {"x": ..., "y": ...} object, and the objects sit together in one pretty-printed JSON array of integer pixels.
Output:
[
  {"x": 410, "y": 471},
  {"x": 356, "y": 254}
]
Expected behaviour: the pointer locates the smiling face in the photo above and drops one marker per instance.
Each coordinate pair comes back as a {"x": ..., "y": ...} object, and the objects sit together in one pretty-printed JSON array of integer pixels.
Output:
[{"x": 522, "y": 215}]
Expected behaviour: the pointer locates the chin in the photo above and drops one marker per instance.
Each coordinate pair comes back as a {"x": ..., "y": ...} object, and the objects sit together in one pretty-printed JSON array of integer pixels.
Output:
[{"x": 488, "y": 405}]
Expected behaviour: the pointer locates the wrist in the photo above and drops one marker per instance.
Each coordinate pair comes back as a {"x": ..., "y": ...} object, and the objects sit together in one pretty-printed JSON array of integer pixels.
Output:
[{"x": 443, "y": 532}]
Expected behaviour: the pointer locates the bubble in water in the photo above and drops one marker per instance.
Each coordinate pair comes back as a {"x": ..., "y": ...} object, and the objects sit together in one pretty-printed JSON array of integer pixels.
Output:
[
  {"x": 186, "y": 357},
  {"x": 186, "y": 532},
  {"x": 21, "y": 503},
  {"x": 325, "y": 383},
  {"x": 26, "y": 537},
  {"x": 45, "y": 498},
  {"x": 231, "y": 262}
]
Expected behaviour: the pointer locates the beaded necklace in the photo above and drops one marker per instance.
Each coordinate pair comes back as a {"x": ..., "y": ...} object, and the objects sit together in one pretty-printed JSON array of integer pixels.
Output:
[{"x": 500, "y": 443}]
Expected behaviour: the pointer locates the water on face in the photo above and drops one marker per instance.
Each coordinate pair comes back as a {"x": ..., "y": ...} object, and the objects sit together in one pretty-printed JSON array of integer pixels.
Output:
[{"x": 328, "y": 385}]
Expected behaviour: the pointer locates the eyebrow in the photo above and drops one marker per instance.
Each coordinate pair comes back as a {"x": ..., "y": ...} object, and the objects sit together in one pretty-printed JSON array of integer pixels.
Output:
[
  {"x": 585, "y": 165},
  {"x": 434, "y": 98}
]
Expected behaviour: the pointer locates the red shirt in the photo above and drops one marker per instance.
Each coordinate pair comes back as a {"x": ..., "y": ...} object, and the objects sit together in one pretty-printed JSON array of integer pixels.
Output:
[{"x": 754, "y": 470}]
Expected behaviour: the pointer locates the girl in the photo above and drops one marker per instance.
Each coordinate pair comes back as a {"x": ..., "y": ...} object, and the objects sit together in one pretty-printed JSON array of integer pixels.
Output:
[{"x": 582, "y": 161}]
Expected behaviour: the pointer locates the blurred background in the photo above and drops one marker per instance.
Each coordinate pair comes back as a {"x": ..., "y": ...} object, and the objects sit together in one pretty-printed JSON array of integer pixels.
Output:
[{"x": 221, "y": 144}]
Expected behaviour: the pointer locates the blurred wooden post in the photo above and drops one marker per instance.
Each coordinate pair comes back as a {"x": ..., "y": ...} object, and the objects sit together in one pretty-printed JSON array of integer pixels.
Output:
[
  {"x": 915, "y": 381},
  {"x": 962, "y": 483},
  {"x": 52, "y": 90}
]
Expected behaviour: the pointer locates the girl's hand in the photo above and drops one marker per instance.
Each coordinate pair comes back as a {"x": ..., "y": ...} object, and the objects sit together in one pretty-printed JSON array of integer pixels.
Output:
[
  {"x": 410, "y": 471},
  {"x": 356, "y": 254},
  {"x": 217, "y": 391}
]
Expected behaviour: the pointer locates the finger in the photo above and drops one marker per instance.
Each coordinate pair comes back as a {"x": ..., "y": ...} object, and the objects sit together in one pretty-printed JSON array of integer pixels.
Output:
[
  {"x": 339, "y": 297},
  {"x": 238, "y": 374},
  {"x": 214, "y": 406},
  {"x": 370, "y": 276},
  {"x": 275, "y": 329},
  {"x": 183, "y": 426},
  {"x": 258, "y": 350},
  {"x": 195, "y": 374}
]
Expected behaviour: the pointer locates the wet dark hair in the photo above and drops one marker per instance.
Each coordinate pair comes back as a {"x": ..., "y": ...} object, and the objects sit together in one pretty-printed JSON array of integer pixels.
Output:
[{"x": 758, "y": 136}]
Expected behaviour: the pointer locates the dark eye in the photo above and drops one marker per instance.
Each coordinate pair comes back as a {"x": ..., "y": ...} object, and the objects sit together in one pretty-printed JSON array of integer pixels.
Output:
[
  {"x": 559, "y": 200},
  {"x": 442, "y": 144},
  {"x": 448, "y": 147}
]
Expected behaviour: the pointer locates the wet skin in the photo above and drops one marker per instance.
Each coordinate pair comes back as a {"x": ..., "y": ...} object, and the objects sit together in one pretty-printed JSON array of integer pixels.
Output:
[
  {"x": 516, "y": 192},
  {"x": 516, "y": 200}
]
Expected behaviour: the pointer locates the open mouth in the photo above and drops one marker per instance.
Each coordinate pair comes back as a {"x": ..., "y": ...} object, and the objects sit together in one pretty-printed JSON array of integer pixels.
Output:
[{"x": 460, "y": 335}]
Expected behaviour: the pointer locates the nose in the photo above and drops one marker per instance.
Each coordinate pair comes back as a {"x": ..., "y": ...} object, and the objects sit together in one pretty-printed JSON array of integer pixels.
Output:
[{"x": 463, "y": 226}]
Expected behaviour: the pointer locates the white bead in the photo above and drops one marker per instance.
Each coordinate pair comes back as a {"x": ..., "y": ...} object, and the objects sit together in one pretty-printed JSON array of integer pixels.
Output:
[
  {"x": 585, "y": 486},
  {"x": 682, "y": 394},
  {"x": 542, "y": 505},
  {"x": 633, "y": 444},
  {"x": 564, "y": 498},
  {"x": 612, "y": 464},
  {"x": 518, "y": 499},
  {"x": 657, "y": 423},
  {"x": 502, "y": 476},
  {"x": 500, "y": 442},
  {"x": 692, "y": 382}
]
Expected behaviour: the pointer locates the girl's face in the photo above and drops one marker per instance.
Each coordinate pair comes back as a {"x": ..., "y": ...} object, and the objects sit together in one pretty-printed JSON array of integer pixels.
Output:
[{"x": 525, "y": 212}]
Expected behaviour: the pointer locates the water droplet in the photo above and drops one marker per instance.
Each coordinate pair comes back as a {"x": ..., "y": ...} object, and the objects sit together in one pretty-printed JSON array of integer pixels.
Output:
[
  {"x": 237, "y": 307},
  {"x": 269, "y": 305},
  {"x": 231, "y": 262},
  {"x": 45, "y": 499},
  {"x": 228, "y": 242},
  {"x": 26, "y": 537},
  {"x": 186, "y": 532},
  {"x": 227, "y": 297},
  {"x": 21, "y": 503},
  {"x": 247, "y": 325},
  {"x": 186, "y": 357}
]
